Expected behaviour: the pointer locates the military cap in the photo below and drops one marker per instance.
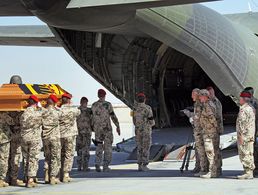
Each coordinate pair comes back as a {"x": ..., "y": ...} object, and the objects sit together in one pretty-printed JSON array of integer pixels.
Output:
[
  {"x": 141, "y": 95},
  {"x": 34, "y": 98},
  {"x": 84, "y": 99},
  {"x": 196, "y": 90},
  {"x": 204, "y": 92},
  {"x": 101, "y": 93},
  {"x": 67, "y": 95},
  {"x": 246, "y": 94},
  {"x": 53, "y": 98}
]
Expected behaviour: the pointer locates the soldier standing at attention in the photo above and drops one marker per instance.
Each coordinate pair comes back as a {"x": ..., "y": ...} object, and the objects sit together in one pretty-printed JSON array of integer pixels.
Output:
[
  {"x": 5, "y": 138},
  {"x": 245, "y": 127},
  {"x": 143, "y": 121},
  {"x": 31, "y": 127},
  {"x": 201, "y": 164},
  {"x": 209, "y": 125},
  {"x": 51, "y": 141},
  {"x": 219, "y": 118},
  {"x": 102, "y": 112},
  {"x": 15, "y": 150},
  {"x": 69, "y": 131},
  {"x": 84, "y": 138}
]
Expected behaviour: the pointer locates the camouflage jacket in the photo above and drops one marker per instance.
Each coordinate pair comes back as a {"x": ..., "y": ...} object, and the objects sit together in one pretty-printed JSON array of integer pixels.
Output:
[
  {"x": 219, "y": 115},
  {"x": 84, "y": 121},
  {"x": 208, "y": 120},
  {"x": 31, "y": 124},
  {"x": 16, "y": 128},
  {"x": 245, "y": 124},
  {"x": 143, "y": 116},
  {"x": 50, "y": 121},
  {"x": 67, "y": 120},
  {"x": 5, "y": 132},
  {"x": 102, "y": 111},
  {"x": 197, "y": 114}
]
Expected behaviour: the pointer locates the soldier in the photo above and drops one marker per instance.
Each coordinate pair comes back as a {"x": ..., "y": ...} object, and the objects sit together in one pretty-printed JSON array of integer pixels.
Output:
[
  {"x": 69, "y": 131},
  {"x": 83, "y": 141},
  {"x": 15, "y": 150},
  {"x": 201, "y": 164},
  {"x": 5, "y": 138},
  {"x": 245, "y": 126},
  {"x": 31, "y": 127},
  {"x": 102, "y": 112},
  {"x": 143, "y": 121},
  {"x": 51, "y": 140},
  {"x": 209, "y": 126},
  {"x": 219, "y": 118}
]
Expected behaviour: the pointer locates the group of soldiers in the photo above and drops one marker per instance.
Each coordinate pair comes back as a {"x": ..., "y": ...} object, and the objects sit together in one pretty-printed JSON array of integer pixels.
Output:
[
  {"x": 60, "y": 130},
  {"x": 207, "y": 121}
]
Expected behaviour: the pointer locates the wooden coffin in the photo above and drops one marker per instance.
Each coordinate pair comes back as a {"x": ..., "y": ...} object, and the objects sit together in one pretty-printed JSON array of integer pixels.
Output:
[{"x": 14, "y": 97}]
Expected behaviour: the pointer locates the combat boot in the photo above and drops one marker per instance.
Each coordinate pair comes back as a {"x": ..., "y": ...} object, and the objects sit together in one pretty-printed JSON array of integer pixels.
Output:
[
  {"x": 247, "y": 175},
  {"x": 200, "y": 173},
  {"x": 16, "y": 182},
  {"x": 3, "y": 184},
  {"x": 30, "y": 183},
  {"x": 106, "y": 169},
  {"x": 206, "y": 176},
  {"x": 196, "y": 170},
  {"x": 46, "y": 176},
  {"x": 86, "y": 168},
  {"x": 66, "y": 178},
  {"x": 145, "y": 168},
  {"x": 139, "y": 167},
  {"x": 54, "y": 180},
  {"x": 98, "y": 169}
]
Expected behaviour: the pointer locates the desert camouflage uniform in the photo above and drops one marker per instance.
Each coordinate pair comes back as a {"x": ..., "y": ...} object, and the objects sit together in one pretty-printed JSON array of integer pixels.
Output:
[
  {"x": 69, "y": 131},
  {"x": 83, "y": 141},
  {"x": 246, "y": 127},
  {"x": 219, "y": 118},
  {"x": 201, "y": 158},
  {"x": 51, "y": 140},
  {"x": 209, "y": 126},
  {"x": 5, "y": 138},
  {"x": 15, "y": 147},
  {"x": 31, "y": 127},
  {"x": 102, "y": 112},
  {"x": 143, "y": 121}
]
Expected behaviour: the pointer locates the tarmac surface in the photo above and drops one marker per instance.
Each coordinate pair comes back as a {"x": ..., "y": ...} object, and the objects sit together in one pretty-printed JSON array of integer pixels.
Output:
[{"x": 163, "y": 178}]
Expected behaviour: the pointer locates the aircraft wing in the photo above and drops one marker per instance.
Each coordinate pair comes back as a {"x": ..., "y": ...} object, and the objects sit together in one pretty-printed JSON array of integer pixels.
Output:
[
  {"x": 28, "y": 36},
  {"x": 134, "y": 4}
]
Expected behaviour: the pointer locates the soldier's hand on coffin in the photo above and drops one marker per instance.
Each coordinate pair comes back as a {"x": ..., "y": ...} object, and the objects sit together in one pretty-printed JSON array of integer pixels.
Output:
[{"x": 118, "y": 131}]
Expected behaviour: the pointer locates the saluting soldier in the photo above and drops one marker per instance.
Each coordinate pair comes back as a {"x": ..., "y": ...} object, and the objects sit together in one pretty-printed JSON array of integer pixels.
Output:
[
  {"x": 245, "y": 127},
  {"x": 209, "y": 126},
  {"x": 143, "y": 121}
]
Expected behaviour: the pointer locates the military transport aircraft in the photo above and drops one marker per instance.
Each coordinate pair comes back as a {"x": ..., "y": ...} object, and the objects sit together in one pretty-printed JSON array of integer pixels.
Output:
[{"x": 164, "y": 48}]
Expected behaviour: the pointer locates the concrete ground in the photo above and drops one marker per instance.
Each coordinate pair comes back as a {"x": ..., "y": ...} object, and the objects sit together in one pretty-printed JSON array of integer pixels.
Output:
[{"x": 164, "y": 178}]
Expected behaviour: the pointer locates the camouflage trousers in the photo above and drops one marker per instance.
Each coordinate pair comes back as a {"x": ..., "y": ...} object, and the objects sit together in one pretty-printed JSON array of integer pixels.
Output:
[
  {"x": 218, "y": 155},
  {"x": 4, "y": 155},
  {"x": 14, "y": 158},
  {"x": 201, "y": 158},
  {"x": 52, "y": 153},
  {"x": 67, "y": 153},
  {"x": 83, "y": 143},
  {"x": 31, "y": 152},
  {"x": 210, "y": 146},
  {"x": 143, "y": 142},
  {"x": 105, "y": 136},
  {"x": 246, "y": 157}
]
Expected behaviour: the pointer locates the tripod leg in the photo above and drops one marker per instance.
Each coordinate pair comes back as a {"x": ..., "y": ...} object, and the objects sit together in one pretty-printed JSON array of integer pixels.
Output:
[
  {"x": 184, "y": 160},
  {"x": 188, "y": 158}
]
